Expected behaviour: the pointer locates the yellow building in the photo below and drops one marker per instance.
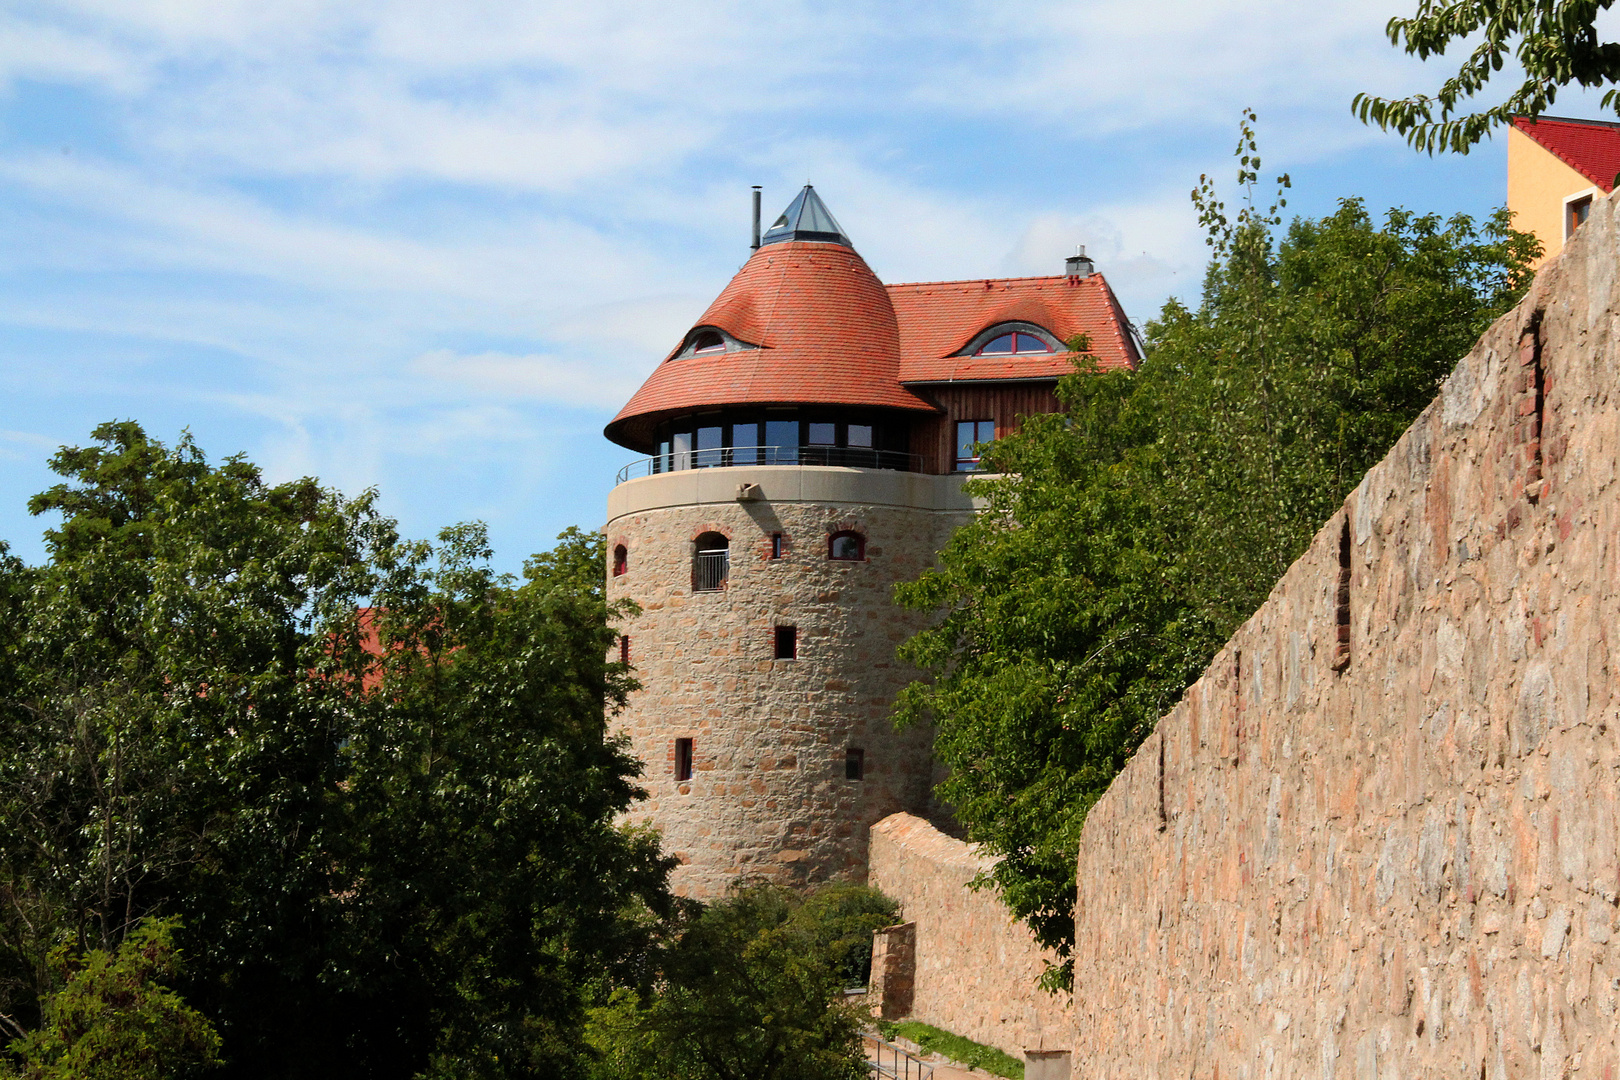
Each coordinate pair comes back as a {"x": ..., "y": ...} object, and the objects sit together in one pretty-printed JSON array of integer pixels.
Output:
[{"x": 1555, "y": 168}]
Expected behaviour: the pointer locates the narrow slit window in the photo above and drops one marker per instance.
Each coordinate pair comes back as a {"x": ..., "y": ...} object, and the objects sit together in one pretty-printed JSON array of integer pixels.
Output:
[
  {"x": 1341, "y": 621},
  {"x": 683, "y": 759},
  {"x": 776, "y": 545},
  {"x": 787, "y": 643},
  {"x": 624, "y": 649},
  {"x": 854, "y": 764}
]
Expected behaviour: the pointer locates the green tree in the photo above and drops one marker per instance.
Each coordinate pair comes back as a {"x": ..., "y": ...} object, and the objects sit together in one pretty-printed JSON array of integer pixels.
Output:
[
  {"x": 1555, "y": 42},
  {"x": 113, "y": 1019},
  {"x": 750, "y": 988},
  {"x": 1127, "y": 537},
  {"x": 371, "y": 776}
]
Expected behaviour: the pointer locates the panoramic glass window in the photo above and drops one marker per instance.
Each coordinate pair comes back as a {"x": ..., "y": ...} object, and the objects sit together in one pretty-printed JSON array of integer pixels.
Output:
[
  {"x": 708, "y": 342},
  {"x": 822, "y": 435},
  {"x": 681, "y": 453},
  {"x": 708, "y": 446},
  {"x": 860, "y": 435},
  {"x": 969, "y": 432},
  {"x": 711, "y": 563},
  {"x": 846, "y": 546},
  {"x": 745, "y": 444},
  {"x": 1008, "y": 344},
  {"x": 782, "y": 442}
]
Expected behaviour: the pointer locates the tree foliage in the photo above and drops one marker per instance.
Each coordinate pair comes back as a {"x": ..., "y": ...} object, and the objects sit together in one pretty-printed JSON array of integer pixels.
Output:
[
  {"x": 370, "y": 775},
  {"x": 112, "y": 1017},
  {"x": 750, "y": 988},
  {"x": 1127, "y": 537},
  {"x": 1555, "y": 42}
]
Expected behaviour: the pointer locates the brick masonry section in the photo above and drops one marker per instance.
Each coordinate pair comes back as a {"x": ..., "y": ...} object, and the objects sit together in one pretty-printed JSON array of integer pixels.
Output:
[
  {"x": 1407, "y": 867},
  {"x": 974, "y": 969}
]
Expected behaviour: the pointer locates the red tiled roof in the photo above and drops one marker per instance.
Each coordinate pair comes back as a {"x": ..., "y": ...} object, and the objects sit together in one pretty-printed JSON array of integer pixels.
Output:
[
  {"x": 938, "y": 319},
  {"x": 825, "y": 332},
  {"x": 1590, "y": 147}
]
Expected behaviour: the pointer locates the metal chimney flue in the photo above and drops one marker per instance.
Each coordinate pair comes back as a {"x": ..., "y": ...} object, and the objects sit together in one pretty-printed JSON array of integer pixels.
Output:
[
  {"x": 755, "y": 246},
  {"x": 1078, "y": 266}
]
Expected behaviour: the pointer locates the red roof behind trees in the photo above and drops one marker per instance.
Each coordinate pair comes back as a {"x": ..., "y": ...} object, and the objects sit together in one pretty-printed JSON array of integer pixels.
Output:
[
  {"x": 938, "y": 320},
  {"x": 1590, "y": 147}
]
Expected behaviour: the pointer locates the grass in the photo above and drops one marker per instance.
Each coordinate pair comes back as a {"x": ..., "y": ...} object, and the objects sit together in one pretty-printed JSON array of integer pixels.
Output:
[{"x": 955, "y": 1047}]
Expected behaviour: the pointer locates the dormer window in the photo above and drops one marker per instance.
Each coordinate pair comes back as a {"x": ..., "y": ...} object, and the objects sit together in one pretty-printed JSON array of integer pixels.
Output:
[
  {"x": 710, "y": 341},
  {"x": 1008, "y": 344},
  {"x": 1013, "y": 339}
]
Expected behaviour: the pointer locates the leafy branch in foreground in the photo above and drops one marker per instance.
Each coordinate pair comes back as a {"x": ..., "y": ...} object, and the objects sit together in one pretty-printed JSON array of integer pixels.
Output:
[{"x": 1555, "y": 42}]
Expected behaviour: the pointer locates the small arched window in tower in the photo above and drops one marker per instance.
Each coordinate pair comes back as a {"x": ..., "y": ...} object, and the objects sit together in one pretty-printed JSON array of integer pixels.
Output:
[
  {"x": 711, "y": 563},
  {"x": 708, "y": 341},
  {"x": 621, "y": 560},
  {"x": 1009, "y": 344},
  {"x": 846, "y": 546}
]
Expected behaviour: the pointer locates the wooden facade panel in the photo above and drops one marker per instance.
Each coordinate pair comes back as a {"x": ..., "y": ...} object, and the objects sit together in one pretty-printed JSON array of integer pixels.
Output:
[{"x": 934, "y": 439}]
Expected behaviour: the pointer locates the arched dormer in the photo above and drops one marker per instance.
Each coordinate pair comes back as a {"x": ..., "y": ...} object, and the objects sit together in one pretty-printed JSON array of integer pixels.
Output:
[
  {"x": 1013, "y": 339},
  {"x": 709, "y": 341}
]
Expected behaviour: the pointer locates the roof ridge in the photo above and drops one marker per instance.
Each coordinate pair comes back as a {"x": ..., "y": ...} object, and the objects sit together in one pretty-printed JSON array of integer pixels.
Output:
[{"x": 982, "y": 280}]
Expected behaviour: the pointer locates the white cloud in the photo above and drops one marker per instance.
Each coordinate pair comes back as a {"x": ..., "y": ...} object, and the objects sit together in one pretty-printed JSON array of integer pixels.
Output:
[{"x": 544, "y": 378}]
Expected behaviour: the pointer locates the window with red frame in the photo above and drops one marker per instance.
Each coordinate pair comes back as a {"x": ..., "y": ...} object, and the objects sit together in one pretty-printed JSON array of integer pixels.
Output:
[
  {"x": 1015, "y": 343},
  {"x": 846, "y": 546}
]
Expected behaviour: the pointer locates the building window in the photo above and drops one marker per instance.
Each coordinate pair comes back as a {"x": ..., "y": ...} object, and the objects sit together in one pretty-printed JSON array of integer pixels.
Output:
[
  {"x": 846, "y": 546},
  {"x": 711, "y": 563},
  {"x": 860, "y": 435},
  {"x": 968, "y": 434},
  {"x": 787, "y": 643},
  {"x": 708, "y": 341},
  {"x": 1010, "y": 344},
  {"x": 854, "y": 764},
  {"x": 776, "y": 545},
  {"x": 1576, "y": 212},
  {"x": 621, "y": 560},
  {"x": 683, "y": 759},
  {"x": 821, "y": 434}
]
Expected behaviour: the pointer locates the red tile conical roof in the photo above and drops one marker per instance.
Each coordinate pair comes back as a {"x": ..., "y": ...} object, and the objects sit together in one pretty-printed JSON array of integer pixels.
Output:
[{"x": 820, "y": 328}]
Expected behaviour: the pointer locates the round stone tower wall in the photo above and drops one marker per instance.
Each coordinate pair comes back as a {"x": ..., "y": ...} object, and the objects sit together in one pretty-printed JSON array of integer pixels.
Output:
[{"x": 769, "y": 794}]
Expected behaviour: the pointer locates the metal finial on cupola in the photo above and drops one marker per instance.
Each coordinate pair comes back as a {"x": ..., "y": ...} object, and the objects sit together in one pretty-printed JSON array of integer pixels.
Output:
[{"x": 806, "y": 218}]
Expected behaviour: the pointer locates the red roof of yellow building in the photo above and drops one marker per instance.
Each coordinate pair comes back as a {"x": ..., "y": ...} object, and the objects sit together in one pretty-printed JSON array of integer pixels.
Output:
[{"x": 1590, "y": 147}]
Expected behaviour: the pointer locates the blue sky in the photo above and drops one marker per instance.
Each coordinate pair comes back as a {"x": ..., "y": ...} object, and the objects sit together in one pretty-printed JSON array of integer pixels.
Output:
[{"x": 431, "y": 247}]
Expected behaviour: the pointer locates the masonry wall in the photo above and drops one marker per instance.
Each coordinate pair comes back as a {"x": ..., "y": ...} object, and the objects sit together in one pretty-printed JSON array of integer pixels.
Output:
[
  {"x": 1407, "y": 867},
  {"x": 768, "y": 796},
  {"x": 975, "y": 970}
]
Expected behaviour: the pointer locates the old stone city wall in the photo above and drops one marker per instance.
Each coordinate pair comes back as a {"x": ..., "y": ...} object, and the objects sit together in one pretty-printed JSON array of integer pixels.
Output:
[
  {"x": 968, "y": 968},
  {"x": 1392, "y": 851}
]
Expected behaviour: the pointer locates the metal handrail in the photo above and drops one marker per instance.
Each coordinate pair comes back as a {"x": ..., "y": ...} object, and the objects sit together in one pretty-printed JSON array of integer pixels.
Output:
[
  {"x": 729, "y": 457},
  {"x": 710, "y": 569},
  {"x": 901, "y": 1064}
]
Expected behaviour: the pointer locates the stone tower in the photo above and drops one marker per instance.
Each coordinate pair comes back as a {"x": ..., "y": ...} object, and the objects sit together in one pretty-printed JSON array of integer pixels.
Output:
[{"x": 808, "y": 438}]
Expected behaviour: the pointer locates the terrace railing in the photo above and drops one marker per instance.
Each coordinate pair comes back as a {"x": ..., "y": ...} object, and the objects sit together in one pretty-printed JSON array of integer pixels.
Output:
[{"x": 848, "y": 457}]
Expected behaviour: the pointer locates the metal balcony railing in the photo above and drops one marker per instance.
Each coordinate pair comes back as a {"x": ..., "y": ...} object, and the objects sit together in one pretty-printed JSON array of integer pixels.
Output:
[
  {"x": 709, "y": 569},
  {"x": 848, "y": 457},
  {"x": 890, "y": 1062}
]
